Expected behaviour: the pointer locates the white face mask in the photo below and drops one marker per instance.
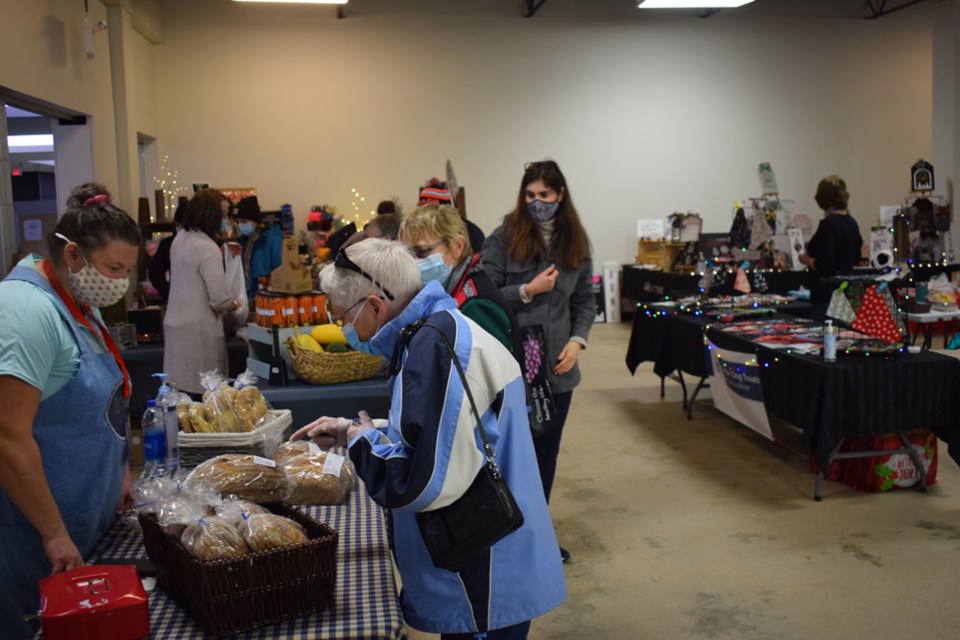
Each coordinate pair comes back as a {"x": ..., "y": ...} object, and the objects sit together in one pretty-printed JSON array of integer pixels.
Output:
[{"x": 92, "y": 288}]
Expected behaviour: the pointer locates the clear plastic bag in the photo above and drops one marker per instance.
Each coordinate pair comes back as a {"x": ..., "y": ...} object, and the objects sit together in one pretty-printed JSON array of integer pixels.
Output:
[
  {"x": 218, "y": 402},
  {"x": 245, "y": 476},
  {"x": 262, "y": 531},
  {"x": 233, "y": 509},
  {"x": 250, "y": 405},
  {"x": 289, "y": 450},
  {"x": 322, "y": 477},
  {"x": 213, "y": 538}
]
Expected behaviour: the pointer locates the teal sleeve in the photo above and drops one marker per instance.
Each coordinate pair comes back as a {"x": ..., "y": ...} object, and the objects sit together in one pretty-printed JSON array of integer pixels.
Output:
[
  {"x": 491, "y": 319},
  {"x": 30, "y": 335}
]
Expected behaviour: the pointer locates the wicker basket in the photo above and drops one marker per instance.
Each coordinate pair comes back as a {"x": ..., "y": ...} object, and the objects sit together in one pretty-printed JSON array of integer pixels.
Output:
[
  {"x": 318, "y": 367},
  {"x": 262, "y": 441},
  {"x": 228, "y": 596}
]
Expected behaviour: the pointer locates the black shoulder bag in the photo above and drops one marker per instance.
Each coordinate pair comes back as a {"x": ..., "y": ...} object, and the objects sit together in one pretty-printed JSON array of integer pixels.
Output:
[{"x": 458, "y": 533}]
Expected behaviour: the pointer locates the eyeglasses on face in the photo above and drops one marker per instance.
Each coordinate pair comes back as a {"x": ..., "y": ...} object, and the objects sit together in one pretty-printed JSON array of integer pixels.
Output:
[
  {"x": 343, "y": 261},
  {"x": 423, "y": 252},
  {"x": 341, "y": 317}
]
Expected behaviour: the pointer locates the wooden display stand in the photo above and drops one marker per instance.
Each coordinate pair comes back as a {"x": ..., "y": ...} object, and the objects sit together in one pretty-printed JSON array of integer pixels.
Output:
[
  {"x": 291, "y": 276},
  {"x": 659, "y": 253}
]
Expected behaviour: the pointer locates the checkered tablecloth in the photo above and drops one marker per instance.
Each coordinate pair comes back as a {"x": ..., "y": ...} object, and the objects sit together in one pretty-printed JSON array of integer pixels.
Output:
[{"x": 366, "y": 604}]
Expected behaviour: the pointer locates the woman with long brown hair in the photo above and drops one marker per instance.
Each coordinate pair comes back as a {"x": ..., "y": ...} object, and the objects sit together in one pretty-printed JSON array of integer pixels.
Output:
[{"x": 540, "y": 259}]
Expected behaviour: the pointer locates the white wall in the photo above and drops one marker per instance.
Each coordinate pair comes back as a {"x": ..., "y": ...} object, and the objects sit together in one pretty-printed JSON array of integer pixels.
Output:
[{"x": 646, "y": 114}]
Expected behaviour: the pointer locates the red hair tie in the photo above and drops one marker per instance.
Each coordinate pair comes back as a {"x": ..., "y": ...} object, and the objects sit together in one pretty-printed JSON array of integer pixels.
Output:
[{"x": 102, "y": 197}]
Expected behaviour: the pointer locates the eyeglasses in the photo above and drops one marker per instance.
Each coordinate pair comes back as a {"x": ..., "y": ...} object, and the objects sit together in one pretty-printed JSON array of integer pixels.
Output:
[
  {"x": 334, "y": 317},
  {"x": 541, "y": 164},
  {"x": 344, "y": 262},
  {"x": 423, "y": 252}
]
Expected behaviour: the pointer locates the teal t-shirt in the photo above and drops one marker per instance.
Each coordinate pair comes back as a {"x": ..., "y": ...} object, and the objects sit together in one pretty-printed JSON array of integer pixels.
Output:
[{"x": 36, "y": 344}]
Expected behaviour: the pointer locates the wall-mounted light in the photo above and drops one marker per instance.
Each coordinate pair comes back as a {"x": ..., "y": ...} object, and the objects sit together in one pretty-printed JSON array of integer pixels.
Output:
[
  {"x": 298, "y": 1},
  {"x": 692, "y": 4}
]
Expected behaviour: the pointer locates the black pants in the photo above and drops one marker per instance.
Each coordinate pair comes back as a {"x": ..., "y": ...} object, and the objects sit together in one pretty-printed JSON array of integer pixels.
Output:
[{"x": 547, "y": 446}]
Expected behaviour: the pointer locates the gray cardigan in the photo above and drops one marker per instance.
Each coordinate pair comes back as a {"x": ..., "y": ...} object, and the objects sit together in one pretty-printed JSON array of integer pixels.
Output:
[{"x": 566, "y": 312}]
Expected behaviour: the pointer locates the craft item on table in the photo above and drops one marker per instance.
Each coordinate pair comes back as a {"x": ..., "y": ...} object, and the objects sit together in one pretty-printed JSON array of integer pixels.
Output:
[
  {"x": 740, "y": 229},
  {"x": 742, "y": 283},
  {"x": 839, "y": 306},
  {"x": 854, "y": 293},
  {"x": 760, "y": 232},
  {"x": 874, "y": 317},
  {"x": 759, "y": 282}
]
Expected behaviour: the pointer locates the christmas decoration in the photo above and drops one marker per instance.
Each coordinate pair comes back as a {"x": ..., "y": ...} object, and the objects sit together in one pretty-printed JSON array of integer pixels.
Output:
[
  {"x": 167, "y": 183},
  {"x": 874, "y": 317}
]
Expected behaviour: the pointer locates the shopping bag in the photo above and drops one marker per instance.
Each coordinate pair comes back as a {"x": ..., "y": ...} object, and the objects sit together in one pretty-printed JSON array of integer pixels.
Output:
[
  {"x": 543, "y": 415},
  {"x": 237, "y": 285}
]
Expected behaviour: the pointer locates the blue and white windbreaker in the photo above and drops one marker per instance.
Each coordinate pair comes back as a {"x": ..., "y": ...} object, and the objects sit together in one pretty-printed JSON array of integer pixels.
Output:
[{"x": 429, "y": 453}]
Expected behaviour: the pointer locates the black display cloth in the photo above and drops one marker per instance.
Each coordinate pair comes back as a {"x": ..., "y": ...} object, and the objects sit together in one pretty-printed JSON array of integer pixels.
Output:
[
  {"x": 857, "y": 395},
  {"x": 644, "y": 285},
  {"x": 670, "y": 341}
]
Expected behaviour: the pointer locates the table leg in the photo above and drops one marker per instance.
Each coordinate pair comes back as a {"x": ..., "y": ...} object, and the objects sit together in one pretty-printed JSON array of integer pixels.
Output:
[
  {"x": 700, "y": 385},
  {"x": 683, "y": 385},
  {"x": 663, "y": 380},
  {"x": 927, "y": 335}
]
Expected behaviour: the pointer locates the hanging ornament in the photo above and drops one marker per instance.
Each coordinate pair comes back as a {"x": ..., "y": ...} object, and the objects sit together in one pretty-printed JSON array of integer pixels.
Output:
[
  {"x": 840, "y": 307},
  {"x": 760, "y": 232},
  {"x": 743, "y": 282},
  {"x": 874, "y": 317}
]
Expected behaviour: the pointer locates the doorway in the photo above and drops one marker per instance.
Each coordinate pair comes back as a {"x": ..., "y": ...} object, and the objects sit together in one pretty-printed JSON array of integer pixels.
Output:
[{"x": 45, "y": 151}]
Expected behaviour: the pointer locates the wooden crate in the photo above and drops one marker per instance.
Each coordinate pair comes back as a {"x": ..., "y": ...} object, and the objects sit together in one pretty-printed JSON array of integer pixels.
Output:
[{"x": 658, "y": 252}]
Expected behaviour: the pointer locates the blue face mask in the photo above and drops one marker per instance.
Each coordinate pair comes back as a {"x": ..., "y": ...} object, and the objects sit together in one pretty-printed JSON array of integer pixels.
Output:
[
  {"x": 224, "y": 226},
  {"x": 245, "y": 228},
  {"x": 350, "y": 333},
  {"x": 542, "y": 211},
  {"x": 433, "y": 268}
]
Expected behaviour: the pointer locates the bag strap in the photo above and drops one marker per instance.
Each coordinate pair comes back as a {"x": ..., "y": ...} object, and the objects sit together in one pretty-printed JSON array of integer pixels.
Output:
[{"x": 406, "y": 334}]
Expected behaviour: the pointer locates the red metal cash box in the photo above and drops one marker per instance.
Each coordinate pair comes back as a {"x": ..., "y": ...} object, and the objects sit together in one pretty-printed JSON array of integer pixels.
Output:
[{"x": 95, "y": 602}]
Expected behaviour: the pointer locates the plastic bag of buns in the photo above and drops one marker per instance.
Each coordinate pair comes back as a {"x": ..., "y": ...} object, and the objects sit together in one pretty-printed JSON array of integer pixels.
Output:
[
  {"x": 245, "y": 476},
  {"x": 213, "y": 538},
  {"x": 321, "y": 477},
  {"x": 262, "y": 531},
  {"x": 288, "y": 450},
  {"x": 250, "y": 405},
  {"x": 185, "y": 506},
  {"x": 218, "y": 403},
  {"x": 234, "y": 510}
]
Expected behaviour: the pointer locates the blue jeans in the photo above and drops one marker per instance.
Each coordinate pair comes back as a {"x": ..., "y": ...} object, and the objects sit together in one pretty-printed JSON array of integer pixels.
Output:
[
  {"x": 547, "y": 446},
  {"x": 516, "y": 632}
]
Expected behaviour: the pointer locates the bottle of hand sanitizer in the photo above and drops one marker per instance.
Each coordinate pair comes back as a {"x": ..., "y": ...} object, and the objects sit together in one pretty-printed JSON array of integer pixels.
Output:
[{"x": 829, "y": 342}]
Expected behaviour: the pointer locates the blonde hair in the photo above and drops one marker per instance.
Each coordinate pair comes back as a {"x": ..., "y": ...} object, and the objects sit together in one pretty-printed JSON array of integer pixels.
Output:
[{"x": 437, "y": 220}]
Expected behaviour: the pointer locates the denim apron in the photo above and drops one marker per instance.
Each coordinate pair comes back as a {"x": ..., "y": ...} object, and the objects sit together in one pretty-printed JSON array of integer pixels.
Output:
[{"x": 81, "y": 432}]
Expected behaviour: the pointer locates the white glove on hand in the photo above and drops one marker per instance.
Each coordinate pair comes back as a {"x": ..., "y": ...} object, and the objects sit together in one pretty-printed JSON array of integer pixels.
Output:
[{"x": 326, "y": 432}]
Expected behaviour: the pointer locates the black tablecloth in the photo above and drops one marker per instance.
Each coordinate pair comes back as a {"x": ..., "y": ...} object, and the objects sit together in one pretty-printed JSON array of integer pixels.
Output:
[
  {"x": 644, "y": 285},
  {"x": 855, "y": 396}
]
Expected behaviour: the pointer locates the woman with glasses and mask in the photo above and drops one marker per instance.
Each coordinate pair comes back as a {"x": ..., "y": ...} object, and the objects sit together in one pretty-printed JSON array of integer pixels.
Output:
[
  {"x": 426, "y": 455},
  {"x": 64, "y": 400},
  {"x": 540, "y": 259},
  {"x": 193, "y": 336},
  {"x": 439, "y": 240}
]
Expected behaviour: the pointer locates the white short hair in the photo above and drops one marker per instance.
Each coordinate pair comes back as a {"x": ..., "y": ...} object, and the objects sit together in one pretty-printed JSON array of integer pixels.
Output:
[{"x": 388, "y": 262}]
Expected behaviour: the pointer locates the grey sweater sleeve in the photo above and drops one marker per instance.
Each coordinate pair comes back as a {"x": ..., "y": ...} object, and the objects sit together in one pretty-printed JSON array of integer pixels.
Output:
[
  {"x": 494, "y": 257},
  {"x": 583, "y": 304}
]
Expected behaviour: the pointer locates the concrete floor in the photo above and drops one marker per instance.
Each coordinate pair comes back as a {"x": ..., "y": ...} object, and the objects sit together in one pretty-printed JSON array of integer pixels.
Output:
[{"x": 704, "y": 530}]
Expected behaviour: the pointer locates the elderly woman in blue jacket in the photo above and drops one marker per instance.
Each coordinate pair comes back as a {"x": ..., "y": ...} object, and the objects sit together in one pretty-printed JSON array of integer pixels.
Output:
[
  {"x": 540, "y": 259},
  {"x": 428, "y": 452}
]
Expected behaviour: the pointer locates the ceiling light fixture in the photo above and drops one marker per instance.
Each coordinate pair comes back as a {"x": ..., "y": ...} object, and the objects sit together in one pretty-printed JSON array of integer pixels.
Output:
[
  {"x": 692, "y": 4},
  {"x": 297, "y": 1}
]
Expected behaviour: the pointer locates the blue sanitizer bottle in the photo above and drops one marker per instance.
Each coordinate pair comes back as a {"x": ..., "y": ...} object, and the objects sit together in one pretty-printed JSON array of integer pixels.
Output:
[
  {"x": 168, "y": 408},
  {"x": 154, "y": 441}
]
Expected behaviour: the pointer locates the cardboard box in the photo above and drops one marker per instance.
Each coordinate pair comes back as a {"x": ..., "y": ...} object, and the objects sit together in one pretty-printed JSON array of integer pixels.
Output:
[{"x": 291, "y": 276}]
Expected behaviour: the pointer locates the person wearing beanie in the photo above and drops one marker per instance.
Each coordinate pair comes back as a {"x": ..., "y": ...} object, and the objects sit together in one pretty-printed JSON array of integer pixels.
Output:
[
  {"x": 158, "y": 269},
  {"x": 261, "y": 242},
  {"x": 437, "y": 192}
]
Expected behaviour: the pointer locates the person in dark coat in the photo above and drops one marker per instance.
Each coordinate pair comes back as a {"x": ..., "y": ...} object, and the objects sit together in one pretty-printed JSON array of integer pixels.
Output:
[{"x": 158, "y": 270}]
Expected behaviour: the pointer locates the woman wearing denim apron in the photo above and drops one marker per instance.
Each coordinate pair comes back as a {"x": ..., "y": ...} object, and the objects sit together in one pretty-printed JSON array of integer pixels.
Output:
[{"x": 65, "y": 397}]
